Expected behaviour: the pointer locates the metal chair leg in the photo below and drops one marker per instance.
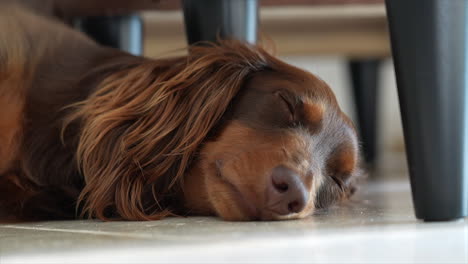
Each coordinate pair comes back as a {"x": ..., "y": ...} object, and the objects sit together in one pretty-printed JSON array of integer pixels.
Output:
[
  {"x": 206, "y": 20},
  {"x": 364, "y": 78},
  {"x": 122, "y": 32},
  {"x": 429, "y": 39}
]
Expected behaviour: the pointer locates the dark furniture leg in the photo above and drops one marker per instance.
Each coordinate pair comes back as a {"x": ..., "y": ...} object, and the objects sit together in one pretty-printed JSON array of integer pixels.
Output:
[
  {"x": 205, "y": 20},
  {"x": 364, "y": 78},
  {"x": 122, "y": 32},
  {"x": 429, "y": 49}
]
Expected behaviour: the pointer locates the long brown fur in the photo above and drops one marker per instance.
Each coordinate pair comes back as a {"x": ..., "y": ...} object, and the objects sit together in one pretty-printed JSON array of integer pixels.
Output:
[
  {"x": 89, "y": 131},
  {"x": 168, "y": 105}
]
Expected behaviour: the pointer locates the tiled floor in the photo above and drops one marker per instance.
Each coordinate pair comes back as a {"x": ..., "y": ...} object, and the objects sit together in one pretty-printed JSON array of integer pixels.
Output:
[{"x": 378, "y": 226}]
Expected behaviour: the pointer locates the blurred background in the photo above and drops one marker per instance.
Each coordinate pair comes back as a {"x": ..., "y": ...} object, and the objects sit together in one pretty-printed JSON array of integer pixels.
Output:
[
  {"x": 323, "y": 37},
  {"x": 345, "y": 43}
]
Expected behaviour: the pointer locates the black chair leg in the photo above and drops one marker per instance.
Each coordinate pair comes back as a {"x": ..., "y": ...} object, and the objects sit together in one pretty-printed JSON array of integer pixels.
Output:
[
  {"x": 429, "y": 39},
  {"x": 364, "y": 78},
  {"x": 122, "y": 32},
  {"x": 206, "y": 20}
]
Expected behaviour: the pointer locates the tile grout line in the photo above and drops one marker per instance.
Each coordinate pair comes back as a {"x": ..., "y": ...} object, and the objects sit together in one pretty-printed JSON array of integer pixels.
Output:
[{"x": 103, "y": 233}]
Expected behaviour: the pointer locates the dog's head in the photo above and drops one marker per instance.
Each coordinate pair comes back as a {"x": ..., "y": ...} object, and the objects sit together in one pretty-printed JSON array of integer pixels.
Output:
[
  {"x": 284, "y": 149},
  {"x": 228, "y": 130}
]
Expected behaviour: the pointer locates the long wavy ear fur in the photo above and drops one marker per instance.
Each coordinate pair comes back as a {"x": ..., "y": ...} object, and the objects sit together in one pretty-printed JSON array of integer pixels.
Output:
[{"x": 142, "y": 127}]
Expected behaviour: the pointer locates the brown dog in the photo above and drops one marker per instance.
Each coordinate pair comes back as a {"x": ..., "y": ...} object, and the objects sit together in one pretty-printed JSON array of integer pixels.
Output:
[{"x": 228, "y": 130}]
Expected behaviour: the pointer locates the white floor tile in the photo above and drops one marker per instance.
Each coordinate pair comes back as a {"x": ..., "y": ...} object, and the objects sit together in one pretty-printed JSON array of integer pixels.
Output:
[{"x": 377, "y": 226}]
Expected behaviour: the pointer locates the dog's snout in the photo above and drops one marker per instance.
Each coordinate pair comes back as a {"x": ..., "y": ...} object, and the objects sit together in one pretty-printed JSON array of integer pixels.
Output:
[{"x": 287, "y": 193}]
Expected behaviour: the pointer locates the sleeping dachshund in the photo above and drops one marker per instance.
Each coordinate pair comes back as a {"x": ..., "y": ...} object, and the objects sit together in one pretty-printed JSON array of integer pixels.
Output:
[{"x": 88, "y": 131}]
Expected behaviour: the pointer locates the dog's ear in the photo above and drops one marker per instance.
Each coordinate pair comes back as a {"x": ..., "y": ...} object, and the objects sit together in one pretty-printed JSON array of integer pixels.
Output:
[{"x": 141, "y": 128}]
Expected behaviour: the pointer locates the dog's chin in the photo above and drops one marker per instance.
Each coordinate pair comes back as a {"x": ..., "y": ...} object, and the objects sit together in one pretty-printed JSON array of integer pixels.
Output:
[
  {"x": 208, "y": 192},
  {"x": 236, "y": 209},
  {"x": 232, "y": 204},
  {"x": 228, "y": 200}
]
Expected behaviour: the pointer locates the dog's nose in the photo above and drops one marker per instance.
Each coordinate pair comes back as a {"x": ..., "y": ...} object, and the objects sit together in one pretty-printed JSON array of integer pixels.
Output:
[{"x": 287, "y": 193}]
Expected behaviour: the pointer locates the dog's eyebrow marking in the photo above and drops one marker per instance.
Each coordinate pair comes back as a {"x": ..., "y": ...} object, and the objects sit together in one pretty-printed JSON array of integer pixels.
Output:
[
  {"x": 344, "y": 160},
  {"x": 313, "y": 113}
]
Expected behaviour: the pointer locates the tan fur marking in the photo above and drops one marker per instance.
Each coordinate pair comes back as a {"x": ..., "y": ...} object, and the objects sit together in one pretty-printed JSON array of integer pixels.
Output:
[
  {"x": 10, "y": 130},
  {"x": 11, "y": 115},
  {"x": 245, "y": 158},
  {"x": 313, "y": 112}
]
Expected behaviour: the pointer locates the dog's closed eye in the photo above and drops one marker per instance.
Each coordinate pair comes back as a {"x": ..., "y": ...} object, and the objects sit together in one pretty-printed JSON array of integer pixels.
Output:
[
  {"x": 286, "y": 104},
  {"x": 341, "y": 164}
]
